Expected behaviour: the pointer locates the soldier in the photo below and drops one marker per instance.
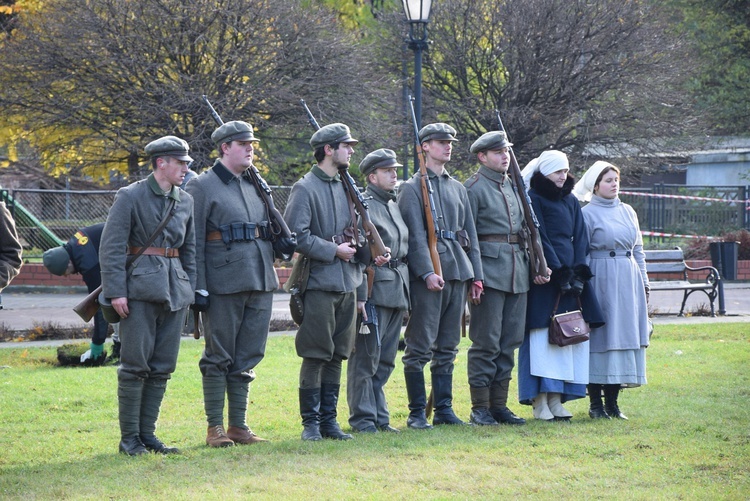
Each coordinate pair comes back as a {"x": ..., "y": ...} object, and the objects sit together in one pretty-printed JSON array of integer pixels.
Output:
[
  {"x": 80, "y": 254},
  {"x": 319, "y": 212},
  {"x": 498, "y": 317},
  {"x": 10, "y": 248},
  {"x": 374, "y": 355},
  {"x": 434, "y": 328},
  {"x": 236, "y": 280},
  {"x": 152, "y": 295}
]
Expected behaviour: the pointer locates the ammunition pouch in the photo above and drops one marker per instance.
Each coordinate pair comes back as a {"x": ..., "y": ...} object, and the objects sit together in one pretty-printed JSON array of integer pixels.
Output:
[{"x": 244, "y": 232}]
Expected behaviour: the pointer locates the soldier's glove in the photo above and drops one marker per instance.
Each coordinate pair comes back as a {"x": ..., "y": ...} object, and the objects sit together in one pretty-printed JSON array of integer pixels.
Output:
[
  {"x": 284, "y": 248},
  {"x": 201, "y": 301}
]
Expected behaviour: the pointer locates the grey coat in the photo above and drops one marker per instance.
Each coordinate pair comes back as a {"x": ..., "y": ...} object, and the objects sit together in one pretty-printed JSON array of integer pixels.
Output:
[
  {"x": 222, "y": 198},
  {"x": 497, "y": 210},
  {"x": 10, "y": 248},
  {"x": 454, "y": 213},
  {"x": 136, "y": 213},
  {"x": 391, "y": 285},
  {"x": 318, "y": 209}
]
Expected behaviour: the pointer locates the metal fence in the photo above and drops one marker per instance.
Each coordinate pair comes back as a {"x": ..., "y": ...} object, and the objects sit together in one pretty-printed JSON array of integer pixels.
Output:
[{"x": 47, "y": 218}]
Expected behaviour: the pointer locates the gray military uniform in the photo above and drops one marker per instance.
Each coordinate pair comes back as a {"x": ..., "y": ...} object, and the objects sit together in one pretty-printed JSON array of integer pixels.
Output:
[
  {"x": 239, "y": 276},
  {"x": 434, "y": 328},
  {"x": 373, "y": 359},
  {"x": 497, "y": 323},
  {"x": 158, "y": 288},
  {"x": 318, "y": 209}
]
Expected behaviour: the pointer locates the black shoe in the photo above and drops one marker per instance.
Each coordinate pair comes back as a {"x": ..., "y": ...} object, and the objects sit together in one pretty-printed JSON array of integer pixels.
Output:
[
  {"x": 482, "y": 417},
  {"x": 506, "y": 416},
  {"x": 132, "y": 446},
  {"x": 446, "y": 416},
  {"x": 311, "y": 433},
  {"x": 390, "y": 429},
  {"x": 614, "y": 412},
  {"x": 418, "y": 421},
  {"x": 598, "y": 412},
  {"x": 155, "y": 445},
  {"x": 368, "y": 429},
  {"x": 334, "y": 432}
]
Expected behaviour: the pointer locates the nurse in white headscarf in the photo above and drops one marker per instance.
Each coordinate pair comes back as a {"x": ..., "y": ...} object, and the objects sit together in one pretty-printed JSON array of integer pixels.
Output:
[
  {"x": 549, "y": 375},
  {"x": 617, "y": 351}
]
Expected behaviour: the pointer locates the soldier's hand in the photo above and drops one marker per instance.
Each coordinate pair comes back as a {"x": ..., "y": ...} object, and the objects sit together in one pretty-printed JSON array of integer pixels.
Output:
[
  {"x": 345, "y": 251},
  {"x": 475, "y": 292},
  {"x": 435, "y": 282},
  {"x": 201, "y": 302},
  {"x": 381, "y": 260},
  {"x": 120, "y": 304},
  {"x": 362, "y": 311}
]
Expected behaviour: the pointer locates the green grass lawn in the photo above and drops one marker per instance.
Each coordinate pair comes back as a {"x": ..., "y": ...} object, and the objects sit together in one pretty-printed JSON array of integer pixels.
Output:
[{"x": 688, "y": 436}]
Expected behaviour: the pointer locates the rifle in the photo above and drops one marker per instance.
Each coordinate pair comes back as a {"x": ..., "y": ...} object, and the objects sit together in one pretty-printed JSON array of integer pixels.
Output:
[
  {"x": 283, "y": 240},
  {"x": 377, "y": 247},
  {"x": 428, "y": 202},
  {"x": 533, "y": 245},
  {"x": 88, "y": 307}
]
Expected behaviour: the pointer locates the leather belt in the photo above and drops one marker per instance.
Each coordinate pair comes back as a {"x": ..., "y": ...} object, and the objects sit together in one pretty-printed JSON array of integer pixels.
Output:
[
  {"x": 395, "y": 263},
  {"x": 155, "y": 251},
  {"x": 601, "y": 254},
  {"x": 216, "y": 235},
  {"x": 511, "y": 239}
]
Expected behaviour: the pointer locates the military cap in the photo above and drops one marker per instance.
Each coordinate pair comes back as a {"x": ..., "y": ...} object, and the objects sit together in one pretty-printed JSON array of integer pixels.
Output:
[
  {"x": 169, "y": 146},
  {"x": 235, "y": 130},
  {"x": 56, "y": 260},
  {"x": 378, "y": 159},
  {"x": 439, "y": 131},
  {"x": 494, "y": 140},
  {"x": 331, "y": 134}
]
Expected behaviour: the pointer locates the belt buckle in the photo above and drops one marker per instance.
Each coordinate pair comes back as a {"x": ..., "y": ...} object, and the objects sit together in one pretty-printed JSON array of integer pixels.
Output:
[{"x": 167, "y": 251}]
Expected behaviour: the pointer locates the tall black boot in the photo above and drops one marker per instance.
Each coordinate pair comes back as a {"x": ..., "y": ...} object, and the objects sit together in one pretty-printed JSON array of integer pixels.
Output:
[
  {"x": 417, "y": 401},
  {"x": 596, "y": 406},
  {"x": 442, "y": 387},
  {"x": 499, "y": 404},
  {"x": 329, "y": 399},
  {"x": 309, "y": 409},
  {"x": 129, "y": 396},
  {"x": 611, "y": 392},
  {"x": 480, "y": 406},
  {"x": 153, "y": 394}
]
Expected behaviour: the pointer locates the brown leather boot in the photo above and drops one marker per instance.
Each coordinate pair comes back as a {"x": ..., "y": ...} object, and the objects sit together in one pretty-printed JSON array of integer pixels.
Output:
[
  {"x": 243, "y": 436},
  {"x": 217, "y": 437}
]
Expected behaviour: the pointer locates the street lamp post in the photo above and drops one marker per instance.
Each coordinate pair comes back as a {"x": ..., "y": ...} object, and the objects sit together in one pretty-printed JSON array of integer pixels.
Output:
[{"x": 417, "y": 14}]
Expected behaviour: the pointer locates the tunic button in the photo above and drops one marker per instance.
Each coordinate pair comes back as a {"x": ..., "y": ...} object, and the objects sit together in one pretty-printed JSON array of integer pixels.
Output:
[{"x": 612, "y": 254}]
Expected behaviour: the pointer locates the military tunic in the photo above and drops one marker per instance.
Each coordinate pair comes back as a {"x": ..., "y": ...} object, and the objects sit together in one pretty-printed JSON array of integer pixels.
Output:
[
  {"x": 434, "y": 328},
  {"x": 318, "y": 210},
  {"x": 374, "y": 356},
  {"x": 158, "y": 288},
  {"x": 239, "y": 276},
  {"x": 497, "y": 323}
]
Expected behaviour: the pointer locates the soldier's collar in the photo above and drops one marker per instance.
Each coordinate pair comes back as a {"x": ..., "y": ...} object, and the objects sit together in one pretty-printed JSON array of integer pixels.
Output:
[
  {"x": 381, "y": 194},
  {"x": 173, "y": 193},
  {"x": 325, "y": 177},
  {"x": 493, "y": 175},
  {"x": 224, "y": 174}
]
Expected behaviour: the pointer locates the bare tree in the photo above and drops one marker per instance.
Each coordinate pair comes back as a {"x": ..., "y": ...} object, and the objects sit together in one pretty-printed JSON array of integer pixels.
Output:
[
  {"x": 584, "y": 76},
  {"x": 107, "y": 76}
]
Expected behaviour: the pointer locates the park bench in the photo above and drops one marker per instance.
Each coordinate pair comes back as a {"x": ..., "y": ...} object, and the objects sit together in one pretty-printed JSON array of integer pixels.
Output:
[{"x": 672, "y": 262}]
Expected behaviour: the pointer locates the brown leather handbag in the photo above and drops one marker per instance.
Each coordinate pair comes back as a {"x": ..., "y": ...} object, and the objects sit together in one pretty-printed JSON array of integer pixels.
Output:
[{"x": 568, "y": 328}]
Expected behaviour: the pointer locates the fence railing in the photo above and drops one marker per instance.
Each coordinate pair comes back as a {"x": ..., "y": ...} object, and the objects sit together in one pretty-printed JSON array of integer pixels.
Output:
[{"x": 46, "y": 218}]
